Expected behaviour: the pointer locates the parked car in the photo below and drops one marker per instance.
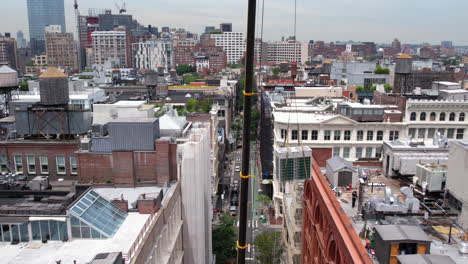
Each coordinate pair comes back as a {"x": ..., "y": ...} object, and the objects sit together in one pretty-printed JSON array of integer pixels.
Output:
[
  {"x": 233, "y": 210},
  {"x": 234, "y": 200},
  {"x": 237, "y": 169}
]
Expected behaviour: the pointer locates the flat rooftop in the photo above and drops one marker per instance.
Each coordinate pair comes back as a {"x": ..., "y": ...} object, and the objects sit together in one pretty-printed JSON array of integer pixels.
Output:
[
  {"x": 433, "y": 230},
  {"x": 301, "y": 118},
  {"x": 81, "y": 250}
]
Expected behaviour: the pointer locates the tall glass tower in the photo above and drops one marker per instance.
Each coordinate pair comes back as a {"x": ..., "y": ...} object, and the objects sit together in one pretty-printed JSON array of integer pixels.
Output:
[{"x": 40, "y": 14}]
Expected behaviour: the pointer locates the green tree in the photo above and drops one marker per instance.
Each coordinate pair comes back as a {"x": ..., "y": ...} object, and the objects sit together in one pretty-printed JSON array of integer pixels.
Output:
[
  {"x": 381, "y": 70},
  {"x": 205, "y": 105},
  {"x": 189, "y": 78},
  {"x": 359, "y": 88},
  {"x": 388, "y": 87},
  {"x": 270, "y": 247},
  {"x": 308, "y": 63},
  {"x": 224, "y": 239},
  {"x": 23, "y": 86},
  {"x": 373, "y": 88},
  {"x": 191, "y": 105},
  {"x": 265, "y": 200},
  {"x": 185, "y": 68},
  {"x": 275, "y": 72},
  {"x": 255, "y": 118}
]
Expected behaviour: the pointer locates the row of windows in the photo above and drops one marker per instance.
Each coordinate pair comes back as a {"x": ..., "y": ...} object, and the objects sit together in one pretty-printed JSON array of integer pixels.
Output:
[
  {"x": 40, "y": 230},
  {"x": 43, "y": 164},
  {"x": 433, "y": 116},
  {"x": 450, "y": 133},
  {"x": 337, "y": 135},
  {"x": 360, "y": 152}
]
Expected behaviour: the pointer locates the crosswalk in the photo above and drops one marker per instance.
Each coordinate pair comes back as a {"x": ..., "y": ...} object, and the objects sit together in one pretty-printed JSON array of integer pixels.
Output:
[{"x": 250, "y": 223}]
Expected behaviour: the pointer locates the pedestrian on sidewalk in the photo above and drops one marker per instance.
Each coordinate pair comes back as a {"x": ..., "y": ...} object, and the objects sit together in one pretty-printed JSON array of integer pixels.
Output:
[{"x": 354, "y": 198}]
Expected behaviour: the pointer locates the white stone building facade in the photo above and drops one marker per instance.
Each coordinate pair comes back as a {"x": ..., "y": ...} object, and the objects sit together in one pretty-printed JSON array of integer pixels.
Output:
[
  {"x": 108, "y": 45},
  {"x": 233, "y": 44},
  {"x": 148, "y": 55}
]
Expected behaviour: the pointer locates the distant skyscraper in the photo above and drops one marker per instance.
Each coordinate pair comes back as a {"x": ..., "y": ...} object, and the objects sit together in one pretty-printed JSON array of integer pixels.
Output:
[
  {"x": 8, "y": 55},
  {"x": 209, "y": 29},
  {"x": 20, "y": 40},
  {"x": 40, "y": 14},
  {"x": 61, "y": 50},
  {"x": 446, "y": 44},
  {"x": 396, "y": 45},
  {"x": 225, "y": 27}
]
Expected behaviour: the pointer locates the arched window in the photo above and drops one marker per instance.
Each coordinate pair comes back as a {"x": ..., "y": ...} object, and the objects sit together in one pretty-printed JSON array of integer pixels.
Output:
[
  {"x": 432, "y": 117},
  {"x": 442, "y": 117},
  {"x": 461, "y": 117},
  {"x": 413, "y": 116},
  {"x": 452, "y": 117},
  {"x": 422, "y": 116}
]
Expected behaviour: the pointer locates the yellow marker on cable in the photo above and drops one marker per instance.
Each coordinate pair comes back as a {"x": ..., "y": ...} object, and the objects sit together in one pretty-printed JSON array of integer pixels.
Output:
[
  {"x": 243, "y": 247},
  {"x": 248, "y": 94},
  {"x": 245, "y": 176}
]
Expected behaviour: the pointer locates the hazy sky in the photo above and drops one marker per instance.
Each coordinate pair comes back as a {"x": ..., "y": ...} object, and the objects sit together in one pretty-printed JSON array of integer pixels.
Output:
[{"x": 412, "y": 21}]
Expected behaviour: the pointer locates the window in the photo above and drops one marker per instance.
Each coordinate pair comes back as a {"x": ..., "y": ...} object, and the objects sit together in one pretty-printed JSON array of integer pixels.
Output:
[
  {"x": 31, "y": 164},
  {"x": 327, "y": 135},
  {"x": 346, "y": 153},
  {"x": 337, "y": 135},
  {"x": 432, "y": 116},
  {"x": 314, "y": 135},
  {"x": 368, "y": 152},
  {"x": 461, "y": 117},
  {"x": 422, "y": 116},
  {"x": 359, "y": 153},
  {"x": 379, "y": 135},
  {"x": 378, "y": 152},
  {"x": 441, "y": 131},
  {"x": 430, "y": 133},
  {"x": 73, "y": 165},
  {"x": 347, "y": 135},
  {"x": 305, "y": 135},
  {"x": 413, "y": 116},
  {"x": 421, "y": 133},
  {"x": 294, "y": 134},
  {"x": 336, "y": 151},
  {"x": 412, "y": 132},
  {"x": 450, "y": 133},
  {"x": 283, "y": 133},
  {"x": 60, "y": 164},
  {"x": 370, "y": 135},
  {"x": 44, "y": 164},
  {"x": 460, "y": 133},
  {"x": 393, "y": 135},
  {"x": 360, "y": 135},
  {"x": 3, "y": 165},
  {"x": 452, "y": 117},
  {"x": 19, "y": 163},
  {"x": 442, "y": 117}
]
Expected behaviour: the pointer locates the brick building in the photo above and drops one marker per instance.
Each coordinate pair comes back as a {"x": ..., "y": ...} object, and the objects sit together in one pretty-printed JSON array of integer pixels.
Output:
[
  {"x": 134, "y": 168},
  {"x": 61, "y": 51},
  {"x": 30, "y": 158},
  {"x": 8, "y": 52},
  {"x": 216, "y": 57},
  {"x": 327, "y": 233}
]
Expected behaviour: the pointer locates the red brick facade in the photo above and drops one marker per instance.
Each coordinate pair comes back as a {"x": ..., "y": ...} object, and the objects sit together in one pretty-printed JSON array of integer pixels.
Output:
[
  {"x": 137, "y": 168},
  {"x": 327, "y": 233},
  {"x": 321, "y": 155},
  {"x": 37, "y": 148},
  {"x": 188, "y": 54}
]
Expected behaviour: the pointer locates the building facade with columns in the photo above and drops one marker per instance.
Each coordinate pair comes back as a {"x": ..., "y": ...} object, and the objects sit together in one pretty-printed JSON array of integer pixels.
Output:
[{"x": 424, "y": 118}]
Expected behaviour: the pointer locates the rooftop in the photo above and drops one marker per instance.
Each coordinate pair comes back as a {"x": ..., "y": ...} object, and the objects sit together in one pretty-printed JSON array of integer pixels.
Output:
[
  {"x": 404, "y": 56},
  {"x": 81, "y": 250},
  {"x": 401, "y": 233},
  {"x": 53, "y": 72}
]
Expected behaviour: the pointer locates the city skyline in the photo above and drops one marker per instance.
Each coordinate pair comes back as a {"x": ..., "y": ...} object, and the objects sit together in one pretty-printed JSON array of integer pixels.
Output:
[{"x": 329, "y": 21}]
